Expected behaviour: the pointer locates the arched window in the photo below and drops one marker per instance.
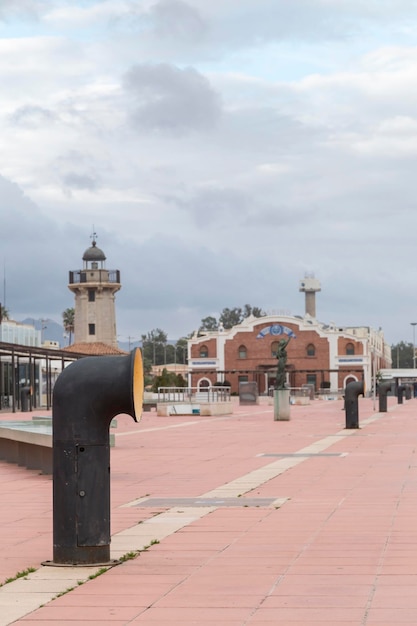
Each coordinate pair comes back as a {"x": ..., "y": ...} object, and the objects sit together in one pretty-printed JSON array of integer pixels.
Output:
[
  {"x": 204, "y": 384},
  {"x": 349, "y": 379},
  {"x": 242, "y": 352},
  {"x": 350, "y": 348},
  {"x": 311, "y": 350},
  {"x": 203, "y": 352},
  {"x": 274, "y": 349}
]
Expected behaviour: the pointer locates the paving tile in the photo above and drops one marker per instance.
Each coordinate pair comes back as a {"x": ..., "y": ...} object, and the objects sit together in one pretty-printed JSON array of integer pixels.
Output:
[
  {"x": 195, "y": 615},
  {"x": 341, "y": 543}
]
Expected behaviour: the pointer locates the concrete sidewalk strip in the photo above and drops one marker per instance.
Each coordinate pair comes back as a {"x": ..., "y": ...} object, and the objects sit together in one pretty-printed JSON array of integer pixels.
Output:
[
  {"x": 25, "y": 595},
  {"x": 254, "y": 479},
  {"x": 141, "y": 536}
]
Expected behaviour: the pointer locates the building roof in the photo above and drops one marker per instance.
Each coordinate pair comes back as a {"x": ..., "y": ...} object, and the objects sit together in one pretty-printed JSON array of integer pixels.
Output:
[
  {"x": 93, "y": 253},
  {"x": 94, "y": 348}
]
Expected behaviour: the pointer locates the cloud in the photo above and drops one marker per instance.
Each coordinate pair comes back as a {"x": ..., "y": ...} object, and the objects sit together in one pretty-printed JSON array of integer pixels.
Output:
[
  {"x": 169, "y": 98},
  {"x": 178, "y": 20},
  {"x": 26, "y": 9},
  {"x": 80, "y": 181},
  {"x": 219, "y": 148},
  {"x": 32, "y": 116}
]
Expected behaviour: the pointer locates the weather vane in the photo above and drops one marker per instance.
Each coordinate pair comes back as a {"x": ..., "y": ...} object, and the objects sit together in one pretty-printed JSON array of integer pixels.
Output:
[{"x": 93, "y": 236}]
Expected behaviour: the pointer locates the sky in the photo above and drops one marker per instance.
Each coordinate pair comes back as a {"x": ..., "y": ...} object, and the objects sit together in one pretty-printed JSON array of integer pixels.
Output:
[{"x": 220, "y": 150}]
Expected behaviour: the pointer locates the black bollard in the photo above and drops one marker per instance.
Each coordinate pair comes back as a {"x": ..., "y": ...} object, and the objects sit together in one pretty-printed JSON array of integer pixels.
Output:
[
  {"x": 400, "y": 392},
  {"x": 383, "y": 390},
  {"x": 408, "y": 392},
  {"x": 352, "y": 391},
  {"x": 87, "y": 396}
]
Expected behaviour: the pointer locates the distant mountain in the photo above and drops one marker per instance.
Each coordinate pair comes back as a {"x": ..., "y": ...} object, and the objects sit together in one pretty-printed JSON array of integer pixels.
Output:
[{"x": 51, "y": 330}]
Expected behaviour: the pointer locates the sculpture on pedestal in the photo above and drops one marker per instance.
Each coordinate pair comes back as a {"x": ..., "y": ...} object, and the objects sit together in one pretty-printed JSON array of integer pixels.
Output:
[{"x": 282, "y": 362}]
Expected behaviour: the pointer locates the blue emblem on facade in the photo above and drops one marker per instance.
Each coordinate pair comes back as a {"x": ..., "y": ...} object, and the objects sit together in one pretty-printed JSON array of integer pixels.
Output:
[{"x": 276, "y": 330}]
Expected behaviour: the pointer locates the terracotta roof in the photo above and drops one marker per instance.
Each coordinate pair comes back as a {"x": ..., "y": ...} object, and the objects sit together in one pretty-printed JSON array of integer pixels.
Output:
[{"x": 96, "y": 348}]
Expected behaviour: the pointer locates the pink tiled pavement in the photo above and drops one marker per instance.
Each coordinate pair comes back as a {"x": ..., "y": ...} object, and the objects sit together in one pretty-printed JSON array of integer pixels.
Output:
[{"x": 342, "y": 550}]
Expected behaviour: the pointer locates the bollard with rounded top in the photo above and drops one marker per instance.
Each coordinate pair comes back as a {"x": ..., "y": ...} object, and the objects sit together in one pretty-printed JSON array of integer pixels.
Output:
[
  {"x": 352, "y": 391},
  {"x": 408, "y": 392},
  {"x": 87, "y": 396},
  {"x": 400, "y": 393},
  {"x": 383, "y": 390}
]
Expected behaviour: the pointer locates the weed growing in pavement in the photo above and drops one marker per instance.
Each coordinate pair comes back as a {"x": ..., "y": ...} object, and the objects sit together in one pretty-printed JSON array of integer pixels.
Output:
[
  {"x": 101, "y": 571},
  {"x": 126, "y": 557},
  {"x": 22, "y": 574}
]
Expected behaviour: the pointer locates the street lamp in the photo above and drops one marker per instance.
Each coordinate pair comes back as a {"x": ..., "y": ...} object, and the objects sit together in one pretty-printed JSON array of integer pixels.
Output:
[{"x": 413, "y": 324}]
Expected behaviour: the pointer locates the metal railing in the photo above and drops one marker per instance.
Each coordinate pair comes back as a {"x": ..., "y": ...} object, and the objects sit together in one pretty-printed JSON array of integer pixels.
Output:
[
  {"x": 303, "y": 392},
  {"x": 189, "y": 395},
  {"x": 100, "y": 275}
]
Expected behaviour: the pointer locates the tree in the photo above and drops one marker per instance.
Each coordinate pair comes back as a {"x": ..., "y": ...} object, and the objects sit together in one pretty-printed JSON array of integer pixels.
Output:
[
  {"x": 209, "y": 323},
  {"x": 230, "y": 317},
  {"x": 68, "y": 322},
  {"x": 256, "y": 312},
  {"x": 168, "y": 379},
  {"x": 402, "y": 355},
  {"x": 147, "y": 365},
  {"x": 154, "y": 345},
  {"x": 181, "y": 350}
]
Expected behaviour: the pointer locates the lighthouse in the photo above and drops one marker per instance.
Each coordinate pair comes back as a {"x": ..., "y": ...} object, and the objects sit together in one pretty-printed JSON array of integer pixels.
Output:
[{"x": 94, "y": 289}]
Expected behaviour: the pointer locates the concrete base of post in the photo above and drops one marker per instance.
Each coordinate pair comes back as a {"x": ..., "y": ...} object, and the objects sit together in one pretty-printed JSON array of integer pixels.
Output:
[{"x": 281, "y": 405}]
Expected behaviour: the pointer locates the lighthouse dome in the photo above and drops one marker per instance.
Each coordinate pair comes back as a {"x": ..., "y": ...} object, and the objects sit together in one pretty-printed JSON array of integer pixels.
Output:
[{"x": 93, "y": 253}]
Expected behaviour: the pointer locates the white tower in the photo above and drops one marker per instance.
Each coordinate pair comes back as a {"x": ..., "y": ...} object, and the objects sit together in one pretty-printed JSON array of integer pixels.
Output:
[
  {"x": 310, "y": 286},
  {"x": 94, "y": 287}
]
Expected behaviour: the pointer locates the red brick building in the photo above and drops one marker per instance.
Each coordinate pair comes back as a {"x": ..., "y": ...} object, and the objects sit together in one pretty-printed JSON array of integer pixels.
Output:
[{"x": 323, "y": 355}]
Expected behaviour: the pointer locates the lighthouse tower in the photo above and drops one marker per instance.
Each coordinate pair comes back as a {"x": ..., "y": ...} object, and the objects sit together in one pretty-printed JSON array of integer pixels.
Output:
[{"x": 94, "y": 287}]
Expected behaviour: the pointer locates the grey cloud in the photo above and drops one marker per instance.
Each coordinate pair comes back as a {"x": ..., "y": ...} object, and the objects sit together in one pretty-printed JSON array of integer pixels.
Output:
[
  {"x": 169, "y": 98},
  {"x": 81, "y": 181},
  {"x": 213, "y": 205},
  {"x": 32, "y": 116},
  {"x": 176, "y": 19},
  {"x": 188, "y": 273},
  {"x": 272, "y": 20},
  {"x": 34, "y": 250},
  {"x": 197, "y": 29},
  {"x": 27, "y": 9},
  {"x": 79, "y": 170}
]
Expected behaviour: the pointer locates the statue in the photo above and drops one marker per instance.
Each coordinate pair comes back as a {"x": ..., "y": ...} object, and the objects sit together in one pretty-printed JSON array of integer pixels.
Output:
[{"x": 282, "y": 362}]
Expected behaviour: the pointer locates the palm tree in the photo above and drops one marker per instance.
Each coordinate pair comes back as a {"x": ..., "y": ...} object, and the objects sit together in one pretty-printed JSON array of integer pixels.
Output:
[
  {"x": 68, "y": 322},
  {"x": 4, "y": 313}
]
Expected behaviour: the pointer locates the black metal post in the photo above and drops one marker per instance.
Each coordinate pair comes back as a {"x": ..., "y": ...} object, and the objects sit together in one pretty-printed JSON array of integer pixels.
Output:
[
  {"x": 400, "y": 392},
  {"x": 408, "y": 392},
  {"x": 352, "y": 391},
  {"x": 383, "y": 390},
  {"x": 88, "y": 394}
]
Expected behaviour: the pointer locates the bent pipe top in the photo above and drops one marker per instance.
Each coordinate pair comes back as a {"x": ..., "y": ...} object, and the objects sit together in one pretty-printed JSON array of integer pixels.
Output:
[
  {"x": 87, "y": 395},
  {"x": 352, "y": 391},
  {"x": 383, "y": 390},
  {"x": 90, "y": 392}
]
